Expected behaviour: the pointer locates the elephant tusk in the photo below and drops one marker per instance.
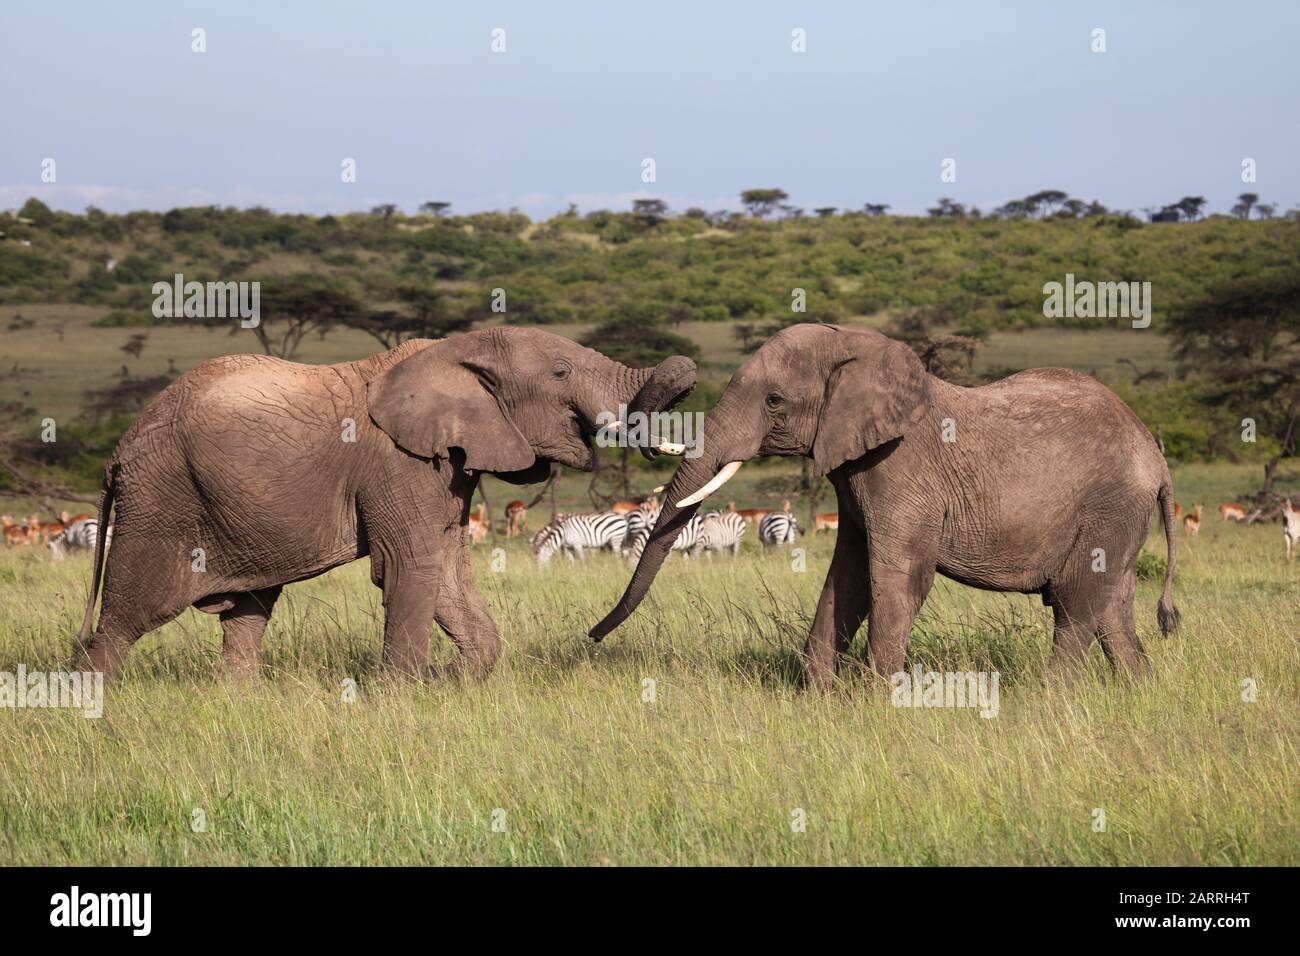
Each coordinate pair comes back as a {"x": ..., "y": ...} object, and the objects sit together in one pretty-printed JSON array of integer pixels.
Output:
[
  {"x": 660, "y": 490},
  {"x": 671, "y": 448},
  {"x": 614, "y": 427},
  {"x": 716, "y": 482}
]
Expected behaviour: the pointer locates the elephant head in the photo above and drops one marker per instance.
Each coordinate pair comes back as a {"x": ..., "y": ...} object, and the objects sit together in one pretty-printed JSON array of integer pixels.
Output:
[
  {"x": 821, "y": 391},
  {"x": 514, "y": 400}
]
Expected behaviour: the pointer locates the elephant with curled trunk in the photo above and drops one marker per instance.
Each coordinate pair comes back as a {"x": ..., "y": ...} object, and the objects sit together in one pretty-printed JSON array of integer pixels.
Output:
[
  {"x": 249, "y": 473},
  {"x": 1042, "y": 483}
]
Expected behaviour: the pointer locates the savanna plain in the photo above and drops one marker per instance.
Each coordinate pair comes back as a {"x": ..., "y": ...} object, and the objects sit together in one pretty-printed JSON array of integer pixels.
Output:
[{"x": 682, "y": 739}]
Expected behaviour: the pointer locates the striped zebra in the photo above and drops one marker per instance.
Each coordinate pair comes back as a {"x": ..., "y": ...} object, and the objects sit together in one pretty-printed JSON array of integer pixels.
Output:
[
  {"x": 578, "y": 534},
  {"x": 687, "y": 541},
  {"x": 548, "y": 529},
  {"x": 722, "y": 531},
  {"x": 637, "y": 522},
  {"x": 778, "y": 528},
  {"x": 80, "y": 535}
]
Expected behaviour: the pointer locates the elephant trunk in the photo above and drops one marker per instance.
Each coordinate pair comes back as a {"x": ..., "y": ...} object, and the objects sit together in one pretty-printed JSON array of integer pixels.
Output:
[
  {"x": 644, "y": 390},
  {"x": 667, "y": 384},
  {"x": 692, "y": 475}
]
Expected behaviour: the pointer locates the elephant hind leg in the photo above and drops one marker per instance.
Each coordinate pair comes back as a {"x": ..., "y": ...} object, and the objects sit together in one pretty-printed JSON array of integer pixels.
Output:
[
  {"x": 1072, "y": 637},
  {"x": 144, "y": 588},
  {"x": 242, "y": 626},
  {"x": 121, "y": 624},
  {"x": 1118, "y": 632}
]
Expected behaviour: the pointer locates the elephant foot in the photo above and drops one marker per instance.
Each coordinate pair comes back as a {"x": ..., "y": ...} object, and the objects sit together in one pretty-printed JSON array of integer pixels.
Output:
[
  {"x": 460, "y": 671},
  {"x": 243, "y": 673}
]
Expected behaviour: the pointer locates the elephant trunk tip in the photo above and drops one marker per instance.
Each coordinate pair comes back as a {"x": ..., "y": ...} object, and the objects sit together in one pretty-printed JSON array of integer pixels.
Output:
[{"x": 621, "y": 612}]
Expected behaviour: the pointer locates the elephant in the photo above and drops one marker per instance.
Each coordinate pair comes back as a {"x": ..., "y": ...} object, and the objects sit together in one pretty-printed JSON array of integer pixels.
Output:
[
  {"x": 249, "y": 473},
  {"x": 1040, "y": 483}
]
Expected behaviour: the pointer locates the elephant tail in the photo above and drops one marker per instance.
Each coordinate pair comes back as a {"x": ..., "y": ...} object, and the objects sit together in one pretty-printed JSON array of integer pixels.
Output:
[
  {"x": 105, "y": 509},
  {"x": 1166, "y": 613}
]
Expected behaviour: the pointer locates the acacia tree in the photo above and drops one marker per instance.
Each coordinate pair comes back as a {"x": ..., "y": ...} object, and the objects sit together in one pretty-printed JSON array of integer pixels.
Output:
[
  {"x": 760, "y": 202},
  {"x": 1047, "y": 200},
  {"x": 425, "y": 315},
  {"x": 1190, "y": 207},
  {"x": 295, "y": 305},
  {"x": 1244, "y": 338},
  {"x": 947, "y": 209},
  {"x": 649, "y": 212},
  {"x": 1245, "y": 203},
  {"x": 746, "y": 332}
]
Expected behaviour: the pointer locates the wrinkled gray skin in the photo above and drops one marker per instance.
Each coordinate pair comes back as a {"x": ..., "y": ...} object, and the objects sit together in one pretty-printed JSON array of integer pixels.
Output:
[
  {"x": 1047, "y": 466},
  {"x": 245, "y": 457}
]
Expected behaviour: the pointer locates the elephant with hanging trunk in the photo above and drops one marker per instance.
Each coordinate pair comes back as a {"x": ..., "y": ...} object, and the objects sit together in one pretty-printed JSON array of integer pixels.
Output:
[
  {"x": 249, "y": 473},
  {"x": 1041, "y": 483}
]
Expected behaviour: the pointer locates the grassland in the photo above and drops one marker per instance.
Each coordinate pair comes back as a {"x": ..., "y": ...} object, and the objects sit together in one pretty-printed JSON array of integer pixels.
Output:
[
  {"x": 49, "y": 366},
  {"x": 587, "y": 771}
]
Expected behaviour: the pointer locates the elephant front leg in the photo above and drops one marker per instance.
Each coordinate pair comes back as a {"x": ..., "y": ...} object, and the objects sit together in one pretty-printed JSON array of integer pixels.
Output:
[
  {"x": 844, "y": 605},
  {"x": 410, "y": 601},
  {"x": 463, "y": 615},
  {"x": 901, "y": 579}
]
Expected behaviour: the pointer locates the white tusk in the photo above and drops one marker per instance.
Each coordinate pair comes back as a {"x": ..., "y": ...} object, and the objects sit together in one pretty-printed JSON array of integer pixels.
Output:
[
  {"x": 660, "y": 490},
  {"x": 671, "y": 448},
  {"x": 716, "y": 482},
  {"x": 614, "y": 427}
]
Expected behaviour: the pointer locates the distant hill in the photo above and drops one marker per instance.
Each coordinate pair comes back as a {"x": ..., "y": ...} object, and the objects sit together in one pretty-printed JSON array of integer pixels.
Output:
[{"x": 975, "y": 275}]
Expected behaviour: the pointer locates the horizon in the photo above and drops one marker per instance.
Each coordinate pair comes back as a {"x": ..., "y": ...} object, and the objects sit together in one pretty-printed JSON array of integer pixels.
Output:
[{"x": 805, "y": 213}]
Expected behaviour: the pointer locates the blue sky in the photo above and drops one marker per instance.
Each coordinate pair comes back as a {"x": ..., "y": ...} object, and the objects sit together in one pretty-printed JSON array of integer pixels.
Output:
[{"x": 585, "y": 91}]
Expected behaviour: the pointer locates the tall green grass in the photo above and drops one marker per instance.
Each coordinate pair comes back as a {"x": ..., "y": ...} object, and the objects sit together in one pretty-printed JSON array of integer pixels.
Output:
[{"x": 561, "y": 749}]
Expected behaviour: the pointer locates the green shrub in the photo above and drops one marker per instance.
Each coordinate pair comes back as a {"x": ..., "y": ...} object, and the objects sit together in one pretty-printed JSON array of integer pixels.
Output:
[{"x": 1150, "y": 567}]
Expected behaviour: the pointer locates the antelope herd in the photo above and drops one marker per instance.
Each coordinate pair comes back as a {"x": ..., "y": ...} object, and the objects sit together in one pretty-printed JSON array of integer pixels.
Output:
[
  {"x": 69, "y": 533},
  {"x": 623, "y": 528},
  {"x": 1231, "y": 511}
]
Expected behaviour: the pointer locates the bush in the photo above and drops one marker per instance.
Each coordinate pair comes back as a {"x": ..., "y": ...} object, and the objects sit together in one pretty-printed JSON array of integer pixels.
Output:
[{"x": 1151, "y": 567}]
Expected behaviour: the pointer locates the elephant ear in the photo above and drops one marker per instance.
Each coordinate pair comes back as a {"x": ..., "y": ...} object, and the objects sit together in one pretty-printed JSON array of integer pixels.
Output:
[
  {"x": 429, "y": 404},
  {"x": 876, "y": 390}
]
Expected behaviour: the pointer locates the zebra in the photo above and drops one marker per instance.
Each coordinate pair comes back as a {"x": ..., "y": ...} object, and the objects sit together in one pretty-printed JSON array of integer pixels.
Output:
[
  {"x": 77, "y": 536},
  {"x": 637, "y": 522},
  {"x": 687, "y": 540},
  {"x": 779, "y": 528},
  {"x": 722, "y": 531},
  {"x": 548, "y": 529},
  {"x": 577, "y": 534}
]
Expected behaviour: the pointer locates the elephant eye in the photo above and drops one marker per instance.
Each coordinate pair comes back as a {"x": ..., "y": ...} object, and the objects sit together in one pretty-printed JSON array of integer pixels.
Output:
[
  {"x": 560, "y": 371},
  {"x": 774, "y": 401}
]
